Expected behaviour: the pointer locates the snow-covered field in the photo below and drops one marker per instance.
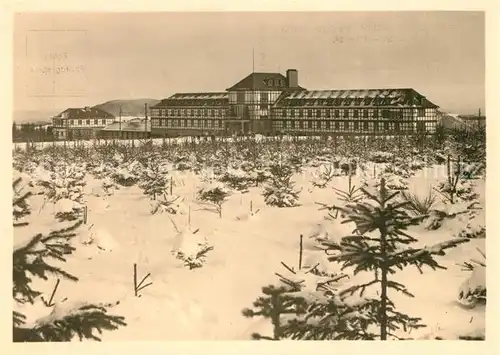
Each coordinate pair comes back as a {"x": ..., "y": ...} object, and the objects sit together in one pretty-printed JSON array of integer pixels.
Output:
[{"x": 250, "y": 240}]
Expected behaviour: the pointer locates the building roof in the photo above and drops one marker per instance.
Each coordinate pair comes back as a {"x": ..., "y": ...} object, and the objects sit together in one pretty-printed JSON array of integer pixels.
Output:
[
  {"x": 355, "y": 98},
  {"x": 82, "y": 113},
  {"x": 195, "y": 99},
  {"x": 263, "y": 81},
  {"x": 133, "y": 125}
]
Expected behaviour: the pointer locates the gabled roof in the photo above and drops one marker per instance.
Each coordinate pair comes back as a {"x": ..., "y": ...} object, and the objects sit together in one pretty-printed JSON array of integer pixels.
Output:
[
  {"x": 263, "y": 81},
  {"x": 355, "y": 98},
  {"x": 195, "y": 99},
  {"x": 133, "y": 125},
  {"x": 82, "y": 113}
]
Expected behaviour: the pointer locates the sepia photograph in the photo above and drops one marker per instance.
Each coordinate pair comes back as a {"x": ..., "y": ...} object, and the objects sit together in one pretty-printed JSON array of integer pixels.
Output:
[{"x": 225, "y": 175}]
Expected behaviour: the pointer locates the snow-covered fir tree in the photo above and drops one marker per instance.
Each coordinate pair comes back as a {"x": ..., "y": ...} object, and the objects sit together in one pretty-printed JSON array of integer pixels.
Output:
[
  {"x": 154, "y": 178},
  {"x": 34, "y": 257},
  {"x": 280, "y": 189},
  {"x": 380, "y": 245}
]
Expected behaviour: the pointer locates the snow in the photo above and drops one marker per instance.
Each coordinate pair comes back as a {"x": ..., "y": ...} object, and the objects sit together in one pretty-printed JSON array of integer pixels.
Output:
[{"x": 205, "y": 303}]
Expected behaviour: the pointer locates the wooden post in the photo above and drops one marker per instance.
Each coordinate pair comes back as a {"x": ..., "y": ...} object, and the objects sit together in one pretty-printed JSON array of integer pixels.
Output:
[
  {"x": 300, "y": 251},
  {"x": 135, "y": 280},
  {"x": 189, "y": 216},
  {"x": 85, "y": 215}
]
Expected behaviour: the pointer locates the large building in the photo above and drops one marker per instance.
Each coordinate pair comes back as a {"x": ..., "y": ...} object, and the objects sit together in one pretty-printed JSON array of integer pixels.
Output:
[
  {"x": 270, "y": 103},
  {"x": 80, "y": 123}
]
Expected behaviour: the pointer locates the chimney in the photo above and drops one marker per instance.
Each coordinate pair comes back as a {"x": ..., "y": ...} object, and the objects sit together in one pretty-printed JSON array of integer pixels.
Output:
[{"x": 292, "y": 76}]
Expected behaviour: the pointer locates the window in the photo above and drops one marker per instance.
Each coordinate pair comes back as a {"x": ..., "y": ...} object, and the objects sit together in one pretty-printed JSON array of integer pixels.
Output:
[
  {"x": 103, "y": 122},
  {"x": 337, "y": 126},
  {"x": 323, "y": 125},
  {"x": 365, "y": 113},
  {"x": 337, "y": 113},
  {"x": 195, "y": 123},
  {"x": 296, "y": 124},
  {"x": 240, "y": 97},
  {"x": 96, "y": 122},
  {"x": 87, "y": 122},
  {"x": 356, "y": 114},
  {"x": 210, "y": 123},
  {"x": 375, "y": 113},
  {"x": 264, "y": 99},
  {"x": 79, "y": 122},
  {"x": 318, "y": 113},
  {"x": 327, "y": 124},
  {"x": 309, "y": 113},
  {"x": 356, "y": 125},
  {"x": 289, "y": 124},
  {"x": 385, "y": 113},
  {"x": 183, "y": 123},
  {"x": 216, "y": 123},
  {"x": 346, "y": 125},
  {"x": 421, "y": 112},
  {"x": 309, "y": 124},
  {"x": 365, "y": 126},
  {"x": 386, "y": 125},
  {"x": 169, "y": 123},
  {"x": 346, "y": 113},
  {"x": 327, "y": 113}
]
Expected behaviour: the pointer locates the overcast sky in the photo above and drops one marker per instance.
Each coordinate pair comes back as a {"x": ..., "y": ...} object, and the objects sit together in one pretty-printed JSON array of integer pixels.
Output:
[{"x": 107, "y": 56}]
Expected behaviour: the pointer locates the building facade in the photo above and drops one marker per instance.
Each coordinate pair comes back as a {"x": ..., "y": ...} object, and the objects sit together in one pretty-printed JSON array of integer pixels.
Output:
[
  {"x": 271, "y": 103},
  {"x": 136, "y": 128},
  {"x": 80, "y": 123}
]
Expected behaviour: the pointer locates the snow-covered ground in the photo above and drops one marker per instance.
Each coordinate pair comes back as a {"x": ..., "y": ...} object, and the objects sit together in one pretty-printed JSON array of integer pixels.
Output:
[{"x": 206, "y": 303}]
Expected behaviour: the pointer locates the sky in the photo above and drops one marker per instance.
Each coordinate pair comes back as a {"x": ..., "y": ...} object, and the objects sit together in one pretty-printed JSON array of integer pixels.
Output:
[{"x": 66, "y": 60}]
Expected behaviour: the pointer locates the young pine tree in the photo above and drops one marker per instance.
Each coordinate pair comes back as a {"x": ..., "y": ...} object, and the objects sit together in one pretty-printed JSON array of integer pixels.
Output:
[
  {"x": 154, "y": 179},
  {"x": 380, "y": 245},
  {"x": 279, "y": 190},
  {"x": 32, "y": 258}
]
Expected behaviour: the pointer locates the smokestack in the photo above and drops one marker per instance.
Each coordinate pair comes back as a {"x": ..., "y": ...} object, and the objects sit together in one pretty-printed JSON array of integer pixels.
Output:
[{"x": 292, "y": 76}]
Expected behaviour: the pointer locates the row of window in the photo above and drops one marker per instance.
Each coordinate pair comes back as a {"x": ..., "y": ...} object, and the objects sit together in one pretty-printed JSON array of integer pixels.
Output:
[
  {"x": 188, "y": 112},
  {"x": 353, "y": 126},
  {"x": 195, "y": 124},
  {"x": 326, "y": 113},
  {"x": 87, "y": 122},
  {"x": 354, "y": 113}
]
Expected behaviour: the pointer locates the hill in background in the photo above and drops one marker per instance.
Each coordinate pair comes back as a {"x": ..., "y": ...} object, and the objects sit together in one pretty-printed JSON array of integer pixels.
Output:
[{"x": 129, "y": 107}]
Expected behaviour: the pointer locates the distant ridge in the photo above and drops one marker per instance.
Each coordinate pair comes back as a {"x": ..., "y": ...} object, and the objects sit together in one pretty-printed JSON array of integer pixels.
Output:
[{"x": 129, "y": 107}]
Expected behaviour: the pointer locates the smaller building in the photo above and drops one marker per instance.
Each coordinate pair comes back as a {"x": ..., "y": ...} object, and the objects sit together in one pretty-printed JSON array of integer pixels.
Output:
[
  {"x": 137, "y": 128},
  {"x": 80, "y": 123}
]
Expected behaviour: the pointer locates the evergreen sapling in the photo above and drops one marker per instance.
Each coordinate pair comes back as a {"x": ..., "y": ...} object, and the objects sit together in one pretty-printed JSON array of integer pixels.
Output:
[
  {"x": 279, "y": 190},
  {"x": 34, "y": 257},
  {"x": 380, "y": 245}
]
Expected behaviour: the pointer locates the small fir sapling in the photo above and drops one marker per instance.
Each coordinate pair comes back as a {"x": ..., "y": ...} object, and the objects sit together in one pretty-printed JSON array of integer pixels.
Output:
[
  {"x": 455, "y": 188},
  {"x": 214, "y": 194},
  {"x": 236, "y": 179},
  {"x": 154, "y": 177},
  {"x": 31, "y": 258},
  {"x": 167, "y": 203},
  {"x": 287, "y": 304},
  {"x": 352, "y": 195},
  {"x": 279, "y": 190},
  {"x": 190, "y": 247},
  {"x": 380, "y": 244},
  {"x": 472, "y": 292}
]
